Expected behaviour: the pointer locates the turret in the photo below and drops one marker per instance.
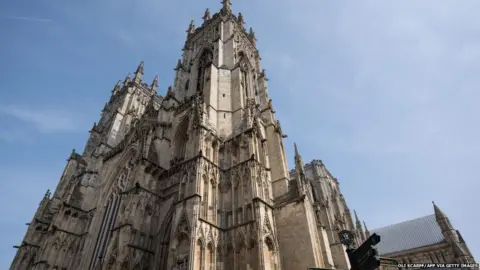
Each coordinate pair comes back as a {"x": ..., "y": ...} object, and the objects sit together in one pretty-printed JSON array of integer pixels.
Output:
[{"x": 139, "y": 73}]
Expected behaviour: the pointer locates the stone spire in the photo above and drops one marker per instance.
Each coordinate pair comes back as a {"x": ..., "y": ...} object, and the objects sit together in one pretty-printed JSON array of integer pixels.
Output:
[
  {"x": 139, "y": 73},
  {"x": 251, "y": 35},
  {"x": 299, "y": 167},
  {"x": 298, "y": 159},
  {"x": 227, "y": 6},
  {"x": 367, "y": 232},
  {"x": 191, "y": 28},
  {"x": 206, "y": 16},
  {"x": 116, "y": 89},
  {"x": 359, "y": 229},
  {"x": 154, "y": 85},
  {"x": 358, "y": 224}
]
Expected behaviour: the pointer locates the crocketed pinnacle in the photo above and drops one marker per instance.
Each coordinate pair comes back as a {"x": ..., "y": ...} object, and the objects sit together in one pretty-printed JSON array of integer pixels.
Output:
[
  {"x": 139, "y": 73},
  {"x": 155, "y": 82},
  {"x": 227, "y": 6},
  {"x": 191, "y": 27},
  {"x": 367, "y": 232},
  {"x": 207, "y": 15},
  {"x": 358, "y": 224},
  {"x": 117, "y": 87},
  {"x": 251, "y": 35},
  {"x": 140, "y": 68},
  {"x": 240, "y": 19},
  {"x": 298, "y": 158}
]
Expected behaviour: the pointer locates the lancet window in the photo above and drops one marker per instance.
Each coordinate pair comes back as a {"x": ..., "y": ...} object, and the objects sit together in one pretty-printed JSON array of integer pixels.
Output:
[
  {"x": 109, "y": 218},
  {"x": 181, "y": 139},
  {"x": 244, "y": 85}
]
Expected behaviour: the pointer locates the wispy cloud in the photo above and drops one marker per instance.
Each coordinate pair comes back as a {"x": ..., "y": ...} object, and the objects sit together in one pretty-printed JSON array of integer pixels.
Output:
[
  {"x": 45, "y": 121},
  {"x": 14, "y": 136},
  {"x": 31, "y": 19}
]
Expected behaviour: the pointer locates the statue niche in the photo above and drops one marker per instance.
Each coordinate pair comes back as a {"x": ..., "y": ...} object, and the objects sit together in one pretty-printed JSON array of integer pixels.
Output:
[{"x": 203, "y": 71}]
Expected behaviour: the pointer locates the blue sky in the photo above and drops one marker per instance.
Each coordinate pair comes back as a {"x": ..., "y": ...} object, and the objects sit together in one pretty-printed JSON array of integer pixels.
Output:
[{"x": 384, "y": 92}]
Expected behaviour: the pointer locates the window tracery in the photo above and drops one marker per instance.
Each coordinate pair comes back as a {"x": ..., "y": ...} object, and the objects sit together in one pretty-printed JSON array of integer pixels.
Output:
[{"x": 110, "y": 215}]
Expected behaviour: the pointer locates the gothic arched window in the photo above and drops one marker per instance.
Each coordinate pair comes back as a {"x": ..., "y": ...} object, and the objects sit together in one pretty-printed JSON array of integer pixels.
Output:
[
  {"x": 181, "y": 138},
  {"x": 204, "y": 64},
  {"x": 109, "y": 219}
]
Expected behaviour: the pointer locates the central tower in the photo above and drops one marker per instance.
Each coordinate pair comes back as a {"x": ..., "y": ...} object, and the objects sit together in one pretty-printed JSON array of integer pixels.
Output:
[{"x": 223, "y": 114}]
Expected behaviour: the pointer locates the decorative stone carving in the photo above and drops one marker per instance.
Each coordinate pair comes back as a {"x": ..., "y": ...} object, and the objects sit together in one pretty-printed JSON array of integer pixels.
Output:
[{"x": 181, "y": 263}]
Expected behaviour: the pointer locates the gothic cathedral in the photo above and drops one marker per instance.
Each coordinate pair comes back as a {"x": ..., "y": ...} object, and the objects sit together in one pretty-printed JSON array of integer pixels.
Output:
[{"x": 196, "y": 179}]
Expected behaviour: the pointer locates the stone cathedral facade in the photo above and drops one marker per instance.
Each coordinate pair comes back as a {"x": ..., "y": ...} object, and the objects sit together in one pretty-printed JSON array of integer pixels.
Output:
[{"x": 196, "y": 179}]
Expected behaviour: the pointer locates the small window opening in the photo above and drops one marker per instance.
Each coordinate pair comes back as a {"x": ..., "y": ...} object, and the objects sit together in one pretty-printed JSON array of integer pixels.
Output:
[
  {"x": 224, "y": 116},
  {"x": 223, "y": 95}
]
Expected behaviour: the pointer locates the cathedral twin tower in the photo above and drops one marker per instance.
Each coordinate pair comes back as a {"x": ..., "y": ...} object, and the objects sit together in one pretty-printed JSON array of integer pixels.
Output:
[{"x": 197, "y": 179}]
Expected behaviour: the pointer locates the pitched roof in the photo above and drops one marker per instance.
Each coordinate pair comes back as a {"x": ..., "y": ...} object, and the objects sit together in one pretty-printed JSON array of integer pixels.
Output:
[{"x": 410, "y": 234}]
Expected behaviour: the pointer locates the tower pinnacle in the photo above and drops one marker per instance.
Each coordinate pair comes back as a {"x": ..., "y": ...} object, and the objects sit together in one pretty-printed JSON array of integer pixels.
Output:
[
  {"x": 154, "y": 85},
  {"x": 207, "y": 15},
  {"x": 139, "y": 73},
  {"x": 251, "y": 35},
  {"x": 240, "y": 19},
  {"x": 116, "y": 89},
  {"x": 298, "y": 158},
  {"x": 227, "y": 6},
  {"x": 358, "y": 224},
  {"x": 367, "y": 232},
  {"x": 127, "y": 78},
  {"x": 191, "y": 27}
]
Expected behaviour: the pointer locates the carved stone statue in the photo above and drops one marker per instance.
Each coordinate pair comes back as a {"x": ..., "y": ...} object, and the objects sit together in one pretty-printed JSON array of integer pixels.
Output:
[{"x": 319, "y": 216}]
